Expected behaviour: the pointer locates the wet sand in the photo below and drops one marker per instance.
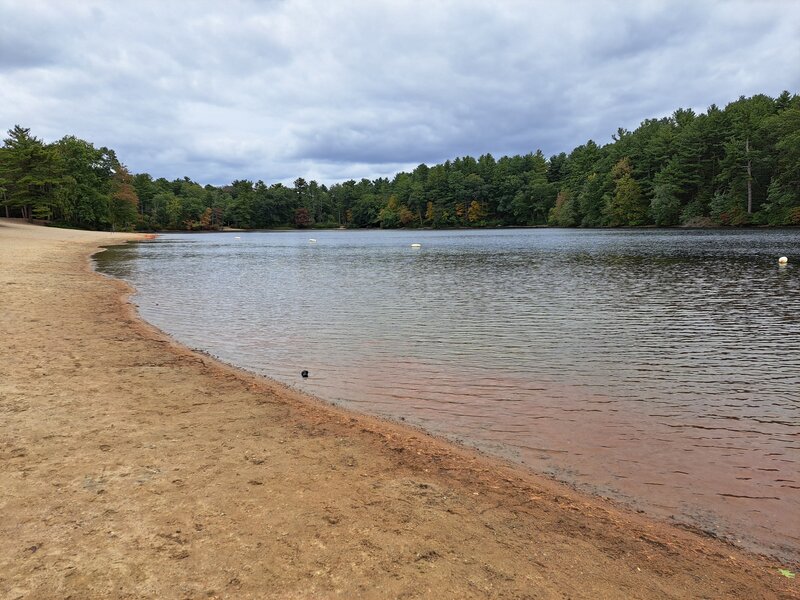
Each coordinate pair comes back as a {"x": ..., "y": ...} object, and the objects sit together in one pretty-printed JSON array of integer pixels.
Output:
[{"x": 132, "y": 467}]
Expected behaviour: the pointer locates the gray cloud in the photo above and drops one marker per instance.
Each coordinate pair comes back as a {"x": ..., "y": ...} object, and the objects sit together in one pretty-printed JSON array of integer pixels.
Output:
[{"x": 276, "y": 90}]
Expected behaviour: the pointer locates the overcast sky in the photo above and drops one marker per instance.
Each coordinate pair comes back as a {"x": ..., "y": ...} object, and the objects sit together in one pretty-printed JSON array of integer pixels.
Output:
[{"x": 332, "y": 90}]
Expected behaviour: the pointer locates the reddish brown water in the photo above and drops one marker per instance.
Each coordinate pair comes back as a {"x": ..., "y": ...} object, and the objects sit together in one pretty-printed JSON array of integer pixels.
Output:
[{"x": 661, "y": 369}]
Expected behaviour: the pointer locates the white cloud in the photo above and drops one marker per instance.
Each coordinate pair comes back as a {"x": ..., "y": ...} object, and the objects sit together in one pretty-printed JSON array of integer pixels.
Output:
[{"x": 276, "y": 90}]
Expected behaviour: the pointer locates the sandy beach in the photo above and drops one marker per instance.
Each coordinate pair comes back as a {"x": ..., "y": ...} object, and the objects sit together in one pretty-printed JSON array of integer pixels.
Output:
[{"x": 132, "y": 467}]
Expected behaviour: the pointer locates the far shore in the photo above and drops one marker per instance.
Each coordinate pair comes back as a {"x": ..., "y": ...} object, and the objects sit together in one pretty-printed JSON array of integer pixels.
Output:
[
  {"x": 311, "y": 230},
  {"x": 132, "y": 467}
]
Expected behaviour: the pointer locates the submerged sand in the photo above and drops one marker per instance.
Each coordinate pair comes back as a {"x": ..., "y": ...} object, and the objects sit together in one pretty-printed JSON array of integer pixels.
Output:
[{"x": 132, "y": 467}]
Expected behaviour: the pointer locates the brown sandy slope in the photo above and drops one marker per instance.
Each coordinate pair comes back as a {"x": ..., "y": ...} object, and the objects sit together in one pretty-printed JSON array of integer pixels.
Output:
[{"x": 131, "y": 467}]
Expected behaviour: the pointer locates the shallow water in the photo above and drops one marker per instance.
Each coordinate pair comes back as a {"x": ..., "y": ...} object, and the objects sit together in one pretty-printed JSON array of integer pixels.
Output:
[{"x": 660, "y": 368}]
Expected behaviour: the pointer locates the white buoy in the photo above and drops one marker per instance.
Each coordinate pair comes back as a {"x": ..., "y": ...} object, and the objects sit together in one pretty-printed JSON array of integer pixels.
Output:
[
  {"x": 237, "y": 238},
  {"x": 783, "y": 260},
  {"x": 416, "y": 245},
  {"x": 312, "y": 241}
]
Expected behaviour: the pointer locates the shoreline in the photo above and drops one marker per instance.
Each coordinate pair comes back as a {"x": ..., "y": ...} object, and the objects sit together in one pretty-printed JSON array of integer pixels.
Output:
[
  {"x": 487, "y": 228},
  {"x": 219, "y": 483},
  {"x": 731, "y": 479},
  {"x": 625, "y": 503}
]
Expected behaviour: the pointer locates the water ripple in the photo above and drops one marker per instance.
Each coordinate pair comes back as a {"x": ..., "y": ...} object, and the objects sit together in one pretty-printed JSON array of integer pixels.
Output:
[{"x": 660, "y": 367}]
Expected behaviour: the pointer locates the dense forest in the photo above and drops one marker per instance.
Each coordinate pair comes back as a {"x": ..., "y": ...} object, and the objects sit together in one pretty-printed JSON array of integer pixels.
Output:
[{"x": 734, "y": 166}]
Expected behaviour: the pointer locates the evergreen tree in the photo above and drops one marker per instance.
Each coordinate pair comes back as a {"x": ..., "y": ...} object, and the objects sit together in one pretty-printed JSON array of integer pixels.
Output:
[{"x": 29, "y": 174}]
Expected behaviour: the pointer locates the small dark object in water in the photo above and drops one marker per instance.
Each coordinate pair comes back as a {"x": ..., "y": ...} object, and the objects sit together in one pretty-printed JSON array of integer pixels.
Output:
[{"x": 304, "y": 374}]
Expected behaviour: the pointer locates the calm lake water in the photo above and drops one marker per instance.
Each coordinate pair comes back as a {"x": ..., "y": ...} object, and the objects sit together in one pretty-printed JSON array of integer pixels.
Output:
[{"x": 660, "y": 368}]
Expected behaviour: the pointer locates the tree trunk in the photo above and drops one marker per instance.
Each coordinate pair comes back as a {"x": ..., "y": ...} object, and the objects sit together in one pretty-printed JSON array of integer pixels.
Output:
[{"x": 749, "y": 178}]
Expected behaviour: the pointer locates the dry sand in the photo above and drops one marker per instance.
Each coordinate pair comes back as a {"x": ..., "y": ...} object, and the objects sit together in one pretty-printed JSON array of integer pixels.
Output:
[{"x": 131, "y": 467}]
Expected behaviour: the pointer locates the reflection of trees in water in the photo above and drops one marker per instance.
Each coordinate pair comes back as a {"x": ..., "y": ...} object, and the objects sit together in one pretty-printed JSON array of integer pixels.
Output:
[{"x": 117, "y": 261}]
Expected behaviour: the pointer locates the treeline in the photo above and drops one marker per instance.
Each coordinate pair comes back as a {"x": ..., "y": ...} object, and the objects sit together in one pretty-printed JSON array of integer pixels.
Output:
[{"x": 734, "y": 166}]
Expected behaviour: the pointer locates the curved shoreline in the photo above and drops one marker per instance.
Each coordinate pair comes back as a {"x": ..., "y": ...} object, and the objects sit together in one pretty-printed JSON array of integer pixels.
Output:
[
  {"x": 137, "y": 467},
  {"x": 650, "y": 430}
]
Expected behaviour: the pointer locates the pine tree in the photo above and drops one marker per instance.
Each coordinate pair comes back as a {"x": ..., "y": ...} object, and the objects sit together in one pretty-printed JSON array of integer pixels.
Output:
[{"x": 29, "y": 174}]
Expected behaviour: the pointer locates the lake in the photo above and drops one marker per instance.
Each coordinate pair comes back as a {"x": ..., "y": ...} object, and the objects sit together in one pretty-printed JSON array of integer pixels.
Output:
[{"x": 660, "y": 368}]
